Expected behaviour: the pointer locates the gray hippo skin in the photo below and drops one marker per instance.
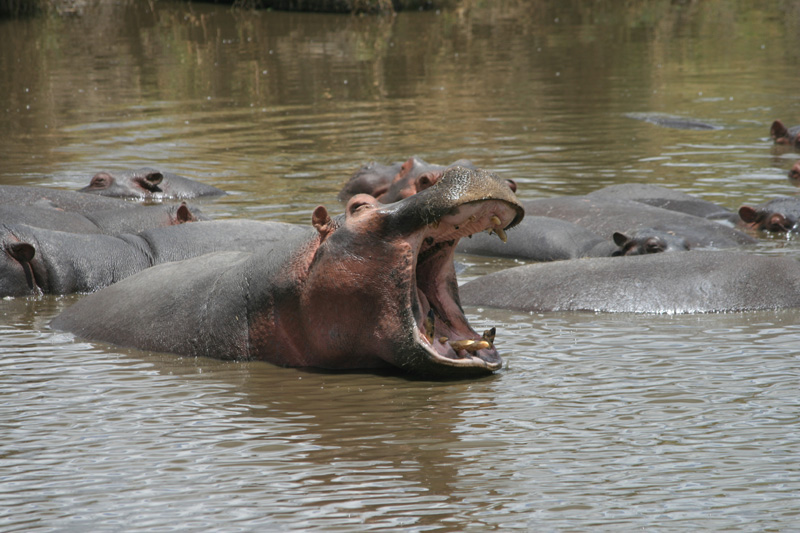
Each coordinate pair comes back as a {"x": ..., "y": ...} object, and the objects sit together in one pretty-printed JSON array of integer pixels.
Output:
[
  {"x": 779, "y": 215},
  {"x": 148, "y": 183},
  {"x": 107, "y": 221},
  {"x": 695, "y": 282},
  {"x": 673, "y": 121},
  {"x": 606, "y": 217},
  {"x": 373, "y": 288},
  {"x": 541, "y": 239},
  {"x": 786, "y": 136},
  {"x": 410, "y": 177},
  {"x": 39, "y": 261},
  {"x": 666, "y": 199},
  {"x": 72, "y": 201}
]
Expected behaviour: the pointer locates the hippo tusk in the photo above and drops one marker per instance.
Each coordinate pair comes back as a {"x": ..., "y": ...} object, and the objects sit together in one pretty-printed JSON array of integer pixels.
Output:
[
  {"x": 478, "y": 345},
  {"x": 498, "y": 230},
  {"x": 463, "y": 344}
]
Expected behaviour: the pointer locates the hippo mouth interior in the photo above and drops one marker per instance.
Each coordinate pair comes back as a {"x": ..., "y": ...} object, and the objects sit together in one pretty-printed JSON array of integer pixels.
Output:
[{"x": 441, "y": 327}]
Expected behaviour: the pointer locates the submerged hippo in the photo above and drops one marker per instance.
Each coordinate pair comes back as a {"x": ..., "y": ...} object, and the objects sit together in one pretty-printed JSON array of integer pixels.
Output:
[
  {"x": 607, "y": 216},
  {"x": 148, "y": 183},
  {"x": 665, "y": 198},
  {"x": 779, "y": 215},
  {"x": 39, "y": 261},
  {"x": 72, "y": 201},
  {"x": 695, "y": 282},
  {"x": 783, "y": 135},
  {"x": 108, "y": 221},
  {"x": 410, "y": 177},
  {"x": 375, "y": 287},
  {"x": 674, "y": 121}
]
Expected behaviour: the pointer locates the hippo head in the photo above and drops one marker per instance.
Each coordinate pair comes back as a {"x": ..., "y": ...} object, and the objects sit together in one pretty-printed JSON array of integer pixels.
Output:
[
  {"x": 415, "y": 175},
  {"x": 779, "y": 215},
  {"x": 138, "y": 183},
  {"x": 783, "y": 135},
  {"x": 794, "y": 173},
  {"x": 648, "y": 241},
  {"x": 383, "y": 280}
]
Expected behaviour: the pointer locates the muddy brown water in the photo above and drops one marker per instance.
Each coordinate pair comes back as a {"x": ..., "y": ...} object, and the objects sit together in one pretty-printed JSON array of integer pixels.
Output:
[{"x": 599, "y": 422}]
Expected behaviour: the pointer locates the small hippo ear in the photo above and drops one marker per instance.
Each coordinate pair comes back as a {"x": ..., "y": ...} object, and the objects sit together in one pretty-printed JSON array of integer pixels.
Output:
[
  {"x": 748, "y": 214},
  {"x": 101, "y": 180},
  {"x": 322, "y": 221},
  {"x": 778, "y": 130},
  {"x": 21, "y": 251},
  {"x": 183, "y": 214},
  {"x": 427, "y": 179},
  {"x": 620, "y": 239}
]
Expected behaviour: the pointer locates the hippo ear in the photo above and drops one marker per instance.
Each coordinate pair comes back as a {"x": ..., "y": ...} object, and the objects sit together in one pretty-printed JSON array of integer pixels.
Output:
[
  {"x": 183, "y": 214},
  {"x": 21, "y": 251},
  {"x": 322, "y": 221},
  {"x": 620, "y": 239},
  {"x": 748, "y": 214},
  {"x": 426, "y": 179},
  {"x": 101, "y": 180},
  {"x": 151, "y": 180},
  {"x": 778, "y": 130}
]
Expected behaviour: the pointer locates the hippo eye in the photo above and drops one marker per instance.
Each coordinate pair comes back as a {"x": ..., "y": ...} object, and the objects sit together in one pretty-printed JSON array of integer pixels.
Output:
[
  {"x": 654, "y": 246},
  {"x": 100, "y": 180},
  {"x": 357, "y": 206}
]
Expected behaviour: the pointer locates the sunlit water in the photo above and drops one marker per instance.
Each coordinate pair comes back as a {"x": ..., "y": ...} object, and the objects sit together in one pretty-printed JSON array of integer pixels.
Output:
[{"x": 598, "y": 422}]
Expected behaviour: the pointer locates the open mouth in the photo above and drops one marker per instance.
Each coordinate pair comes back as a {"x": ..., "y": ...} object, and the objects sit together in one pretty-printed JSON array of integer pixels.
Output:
[{"x": 441, "y": 327}]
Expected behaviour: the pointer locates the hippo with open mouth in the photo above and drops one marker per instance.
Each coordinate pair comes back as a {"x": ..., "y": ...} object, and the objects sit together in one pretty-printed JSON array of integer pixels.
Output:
[{"x": 372, "y": 288}]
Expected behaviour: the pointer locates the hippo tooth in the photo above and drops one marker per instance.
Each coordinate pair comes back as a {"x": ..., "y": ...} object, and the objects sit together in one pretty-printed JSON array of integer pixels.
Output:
[
  {"x": 443, "y": 339},
  {"x": 488, "y": 335},
  {"x": 434, "y": 224},
  {"x": 477, "y": 345},
  {"x": 498, "y": 230},
  {"x": 429, "y": 325},
  {"x": 463, "y": 344}
]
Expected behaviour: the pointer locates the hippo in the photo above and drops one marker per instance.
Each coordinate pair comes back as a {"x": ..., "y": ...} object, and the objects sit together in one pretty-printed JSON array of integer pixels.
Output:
[
  {"x": 107, "y": 221},
  {"x": 673, "y": 121},
  {"x": 665, "y": 198},
  {"x": 148, "y": 183},
  {"x": 693, "y": 282},
  {"x": 412, "y": 176},
  {"x": 40, "y": 261},
  {"x": 782, "y": 135},
  {"x": 779, "y": 215},
  {"x": 607, "y": 216},
  {"x": 72, "y": 201},
  {"x": 649, "y": 241},
  {"x": 372, "y": 288},
  {"x": 373, "y": 179}
]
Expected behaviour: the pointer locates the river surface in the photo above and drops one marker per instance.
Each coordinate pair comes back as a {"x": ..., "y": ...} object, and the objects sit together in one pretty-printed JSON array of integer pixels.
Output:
[{"x": 599, "y": 422}]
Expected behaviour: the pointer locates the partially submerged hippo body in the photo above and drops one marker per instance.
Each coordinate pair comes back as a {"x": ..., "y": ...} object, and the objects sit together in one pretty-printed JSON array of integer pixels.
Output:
[
  {"x": 72, "y": 201},
  {"x": 779, "y": 215},
  {"x": 695, "y": 282},
  {"x": 107, "y": 221},
  {"x": 408, "y": 178},
  {"x": 673, "y": 121},
  {"x": 35, "y": 261},
  {"x": 148, "y": 183},
  {"x": 541, "y": 239},
  {"x": 607, "y": 216},
  {"x": 783, "y": 135},
  {"x": 374, "y": 287},
  {"x": 665, "y": 198}
]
